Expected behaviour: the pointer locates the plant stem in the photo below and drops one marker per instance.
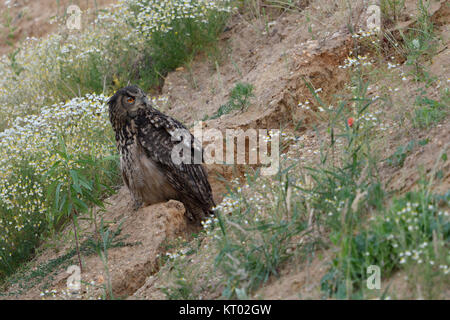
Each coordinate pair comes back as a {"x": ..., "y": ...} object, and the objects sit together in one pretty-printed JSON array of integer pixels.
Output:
[{"x": 76, "y": 242}]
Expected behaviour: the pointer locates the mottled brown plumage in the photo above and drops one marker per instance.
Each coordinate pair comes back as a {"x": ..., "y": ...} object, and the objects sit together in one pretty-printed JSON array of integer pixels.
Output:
[{"x": 144, "y": 139}]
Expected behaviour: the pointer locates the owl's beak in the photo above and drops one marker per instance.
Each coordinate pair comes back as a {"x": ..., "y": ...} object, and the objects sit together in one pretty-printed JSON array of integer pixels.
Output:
[
  {"x": 144, "y": 101},
  {"x": 132, "y": 113}
]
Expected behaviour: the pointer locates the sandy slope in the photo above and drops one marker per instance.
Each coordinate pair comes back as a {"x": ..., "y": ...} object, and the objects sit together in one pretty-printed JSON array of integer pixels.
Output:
[{"x": 276, "y": 64}]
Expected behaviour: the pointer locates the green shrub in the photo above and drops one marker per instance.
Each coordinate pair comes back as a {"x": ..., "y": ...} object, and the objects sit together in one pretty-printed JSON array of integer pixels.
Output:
[
  {"x": 420, "y": 42},
  {"x": 239, "y": 99},
  {"x": 428, "y": 111},
  {"x": 399, "y": 157},
  {"x": 33, "y": 178},
  {"x": 138, "y": 42},
  {"x": 391, "y": 9},
  {"x": 256, "y": 230},
  {"x": 406, "y": 234}
]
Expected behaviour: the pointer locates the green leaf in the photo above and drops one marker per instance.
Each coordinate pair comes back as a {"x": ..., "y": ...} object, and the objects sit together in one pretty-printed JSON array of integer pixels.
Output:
[
  {"x": 75, "y": 180},
  {"x": 84, "y": 183},
  {"x": 80, "y": 205},
  {"x": 57, "y": 194}
]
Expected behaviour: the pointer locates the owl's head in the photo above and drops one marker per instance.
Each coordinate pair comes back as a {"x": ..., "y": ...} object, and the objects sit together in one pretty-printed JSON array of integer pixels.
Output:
[{"x": 125, "y": 103}]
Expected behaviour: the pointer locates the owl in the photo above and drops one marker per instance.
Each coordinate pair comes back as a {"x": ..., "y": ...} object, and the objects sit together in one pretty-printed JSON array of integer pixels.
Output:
[{"x": 145, "y": 140}]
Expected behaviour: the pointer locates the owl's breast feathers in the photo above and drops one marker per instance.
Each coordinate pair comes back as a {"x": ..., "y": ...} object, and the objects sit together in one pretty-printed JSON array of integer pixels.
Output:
[{"x": 153, "y": 131}]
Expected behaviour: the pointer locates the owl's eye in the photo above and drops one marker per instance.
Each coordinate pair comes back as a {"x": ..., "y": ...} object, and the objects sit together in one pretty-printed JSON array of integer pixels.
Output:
[{"x": 130, "y": 100}]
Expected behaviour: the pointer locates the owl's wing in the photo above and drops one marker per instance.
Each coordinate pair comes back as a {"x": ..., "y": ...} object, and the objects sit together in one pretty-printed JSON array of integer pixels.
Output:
[{"x": 157, "y": 134}]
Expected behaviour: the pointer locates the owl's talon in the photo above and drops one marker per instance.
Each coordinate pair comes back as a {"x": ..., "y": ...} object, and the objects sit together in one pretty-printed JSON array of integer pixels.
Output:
[{"x": 137, "y": 205}]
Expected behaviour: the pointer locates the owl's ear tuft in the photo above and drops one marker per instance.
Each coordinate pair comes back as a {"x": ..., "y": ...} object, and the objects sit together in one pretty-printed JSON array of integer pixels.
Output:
[
  {"x": 113, "y": 100},
  {"x": 132, "y": 93}
]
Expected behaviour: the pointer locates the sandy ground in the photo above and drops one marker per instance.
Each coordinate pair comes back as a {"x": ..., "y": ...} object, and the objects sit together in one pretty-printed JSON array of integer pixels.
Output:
[
  {"x": 36, "y": 18},
  {"x": 276, "y": 64}
]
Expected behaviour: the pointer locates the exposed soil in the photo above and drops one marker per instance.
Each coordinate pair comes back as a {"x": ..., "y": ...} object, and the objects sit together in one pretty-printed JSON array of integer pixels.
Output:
[
  {"x": 277, "y": 64},
  {"x": 31, "y": 18}
]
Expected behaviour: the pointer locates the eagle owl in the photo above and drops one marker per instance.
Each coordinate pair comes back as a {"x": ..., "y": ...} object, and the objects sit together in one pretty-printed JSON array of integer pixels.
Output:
[{"x": 145, "y": 142}]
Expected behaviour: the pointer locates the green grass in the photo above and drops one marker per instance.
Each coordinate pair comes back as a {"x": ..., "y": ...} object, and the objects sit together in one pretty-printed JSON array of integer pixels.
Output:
[
  {"x": 253, "y": 242},
  {"x": 345, "y": 193},
  {"x": 59, "y": 176},
  {"x": 401, "y": 237},
  {"x": 240, "y": 98},
  {"x": 260, "y": 13},
  {"x": 169, "y": 50},
  {"x": 391, "y": 9},
  {"x": 420, "y": 42},
  {"x": 182, "y": 288},
  {"x": 429, "y": 112},
  {"x": 44, "y": 273},
  {"x": 259, "y": 224},
  {"x": 402, "y": 152}
]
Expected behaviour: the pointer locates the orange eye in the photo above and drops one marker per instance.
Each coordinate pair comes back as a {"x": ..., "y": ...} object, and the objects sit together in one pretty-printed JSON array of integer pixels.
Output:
[{"x": 130, "y": 100}]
